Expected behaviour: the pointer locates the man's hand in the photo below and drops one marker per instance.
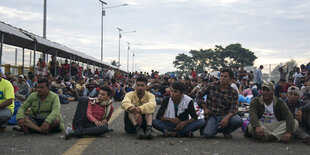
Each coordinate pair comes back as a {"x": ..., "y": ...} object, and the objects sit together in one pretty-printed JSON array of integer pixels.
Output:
[
  {"x": 299, "y": 115},
  {"x": 138, "y": 118},
  {"x": 138, "y": 110},
  {"x": 175, "y": 121},
  {"x": 104, "y": 122},
  {"x": 180, "y": 126},
  {"x": 45, "y": 127},
  {"x": 224, "y": 123},
  {"x": 286, "y": 137},
  {"x": 98, "y": 123},
  {"x": 20, "y": 122},
  {"x": 206, "y": 111},
  {"x": 260, "y": 132},
  {"x": 134, "y": 109}
]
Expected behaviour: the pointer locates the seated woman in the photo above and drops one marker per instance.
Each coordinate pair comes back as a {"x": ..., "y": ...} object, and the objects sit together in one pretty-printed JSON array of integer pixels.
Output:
[{"x": 92, "y": 115}]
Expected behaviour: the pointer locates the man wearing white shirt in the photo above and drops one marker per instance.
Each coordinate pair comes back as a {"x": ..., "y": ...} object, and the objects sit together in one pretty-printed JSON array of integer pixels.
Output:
[{"x": 270, "y": 117}]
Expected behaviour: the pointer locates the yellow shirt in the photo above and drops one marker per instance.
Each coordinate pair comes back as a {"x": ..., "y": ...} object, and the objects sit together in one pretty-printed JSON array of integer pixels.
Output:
[
  {"x": 79, "y": 87},
  {"x": 147, "y": 104},
  {"x": 7, "y": 92}
]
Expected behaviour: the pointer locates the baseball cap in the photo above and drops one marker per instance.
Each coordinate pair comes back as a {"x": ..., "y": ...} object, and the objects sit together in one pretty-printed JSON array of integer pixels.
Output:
[
  {"x": 21, "y": 76},
  {"x": 293, "y": 89},
  {"x": 268, "y": 85}
]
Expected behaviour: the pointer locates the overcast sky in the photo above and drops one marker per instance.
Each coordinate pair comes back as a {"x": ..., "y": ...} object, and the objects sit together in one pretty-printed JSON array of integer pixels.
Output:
[{"x": 275, "y": 30}]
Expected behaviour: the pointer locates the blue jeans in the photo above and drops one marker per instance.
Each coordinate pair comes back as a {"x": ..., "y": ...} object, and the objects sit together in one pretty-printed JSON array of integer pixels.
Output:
[
  {"x": 212, "y": 126},
  {"x": 92, "y": 93},
  {"x": 168, "y": 126}
]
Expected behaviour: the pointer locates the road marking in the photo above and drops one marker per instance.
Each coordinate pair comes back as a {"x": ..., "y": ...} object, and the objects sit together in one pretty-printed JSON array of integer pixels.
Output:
[{"x": 83, "y": 143}]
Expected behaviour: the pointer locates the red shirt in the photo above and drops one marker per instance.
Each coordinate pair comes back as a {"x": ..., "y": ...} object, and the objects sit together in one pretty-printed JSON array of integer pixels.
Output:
[
  {"x": 194, "y": 74},
  {"x": 65, "y": 67},
  {"x": 95, "y": 112}
]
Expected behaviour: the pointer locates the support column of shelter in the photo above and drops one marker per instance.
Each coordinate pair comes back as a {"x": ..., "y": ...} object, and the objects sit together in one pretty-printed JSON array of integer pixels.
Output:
[
  {"x": 23, "y": 61},
  {"x": 1, "y": 48},
  {"x": 70, "y": 66},
  {"x": 34, "y": 58},
  {"x": 56, "y": 65}
]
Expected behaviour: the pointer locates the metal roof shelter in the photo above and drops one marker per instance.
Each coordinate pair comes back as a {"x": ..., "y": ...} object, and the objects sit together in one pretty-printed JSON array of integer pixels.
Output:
[{"x": 18, "y": 37}]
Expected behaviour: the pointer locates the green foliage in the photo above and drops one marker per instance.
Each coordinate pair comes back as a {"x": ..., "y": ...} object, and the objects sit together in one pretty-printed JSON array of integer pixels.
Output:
[
  {"x": 233, "y": 55},
  {"x": 114, "y": 63}
]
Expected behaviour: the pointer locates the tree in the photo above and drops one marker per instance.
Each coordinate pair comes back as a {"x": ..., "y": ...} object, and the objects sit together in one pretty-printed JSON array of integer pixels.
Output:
[
  {"x": 114, "y": 63},
  {"x": 233, "y": 55}
]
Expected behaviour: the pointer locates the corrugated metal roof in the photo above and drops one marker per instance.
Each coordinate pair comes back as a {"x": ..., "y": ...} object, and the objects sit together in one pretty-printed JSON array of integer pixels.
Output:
[{"x": 24, "y": 39}]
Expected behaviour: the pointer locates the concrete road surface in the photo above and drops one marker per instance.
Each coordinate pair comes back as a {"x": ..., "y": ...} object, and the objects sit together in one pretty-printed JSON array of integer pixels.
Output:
[{"x": 118, "y": 142}]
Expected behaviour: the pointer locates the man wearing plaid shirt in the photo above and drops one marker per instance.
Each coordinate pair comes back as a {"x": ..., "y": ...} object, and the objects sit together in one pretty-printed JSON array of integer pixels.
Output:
[{"x": 221, "y": 106}]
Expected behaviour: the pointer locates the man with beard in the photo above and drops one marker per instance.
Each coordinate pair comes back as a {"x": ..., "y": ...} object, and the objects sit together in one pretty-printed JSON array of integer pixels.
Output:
[
  {"x": 44, "y": 116},
  {"x": 139, "y": 106}
]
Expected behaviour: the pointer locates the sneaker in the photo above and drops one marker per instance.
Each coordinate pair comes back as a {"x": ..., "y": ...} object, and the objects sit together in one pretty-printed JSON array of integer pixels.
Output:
[
  {"x": 17, "y": 128},
  {"x": 149, "y": 133},
  {"x": 227, "y": 135},
  {"x": 140, "y": 132},
  {"x": 69, "y": 132}
]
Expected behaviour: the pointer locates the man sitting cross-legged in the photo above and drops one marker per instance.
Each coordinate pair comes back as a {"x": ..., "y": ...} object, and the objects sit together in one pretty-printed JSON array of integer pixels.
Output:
[
  {"x": 173, "y": 116},
  {"x": 301, "y": 112},
  {"x": 139, "y": 106},
  {"x": 92, "y": 115},
  {"x": 270, "y": 117},
  {"x": 44, "y": 115}
]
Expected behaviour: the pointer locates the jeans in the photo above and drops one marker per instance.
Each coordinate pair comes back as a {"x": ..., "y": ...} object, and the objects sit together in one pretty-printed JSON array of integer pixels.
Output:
[
  {"x": 168, "y": 126},
  {"x": 5, "y": 116},
  {"x": 212, "y": 126},
  {"x": 91, "y": 94}
]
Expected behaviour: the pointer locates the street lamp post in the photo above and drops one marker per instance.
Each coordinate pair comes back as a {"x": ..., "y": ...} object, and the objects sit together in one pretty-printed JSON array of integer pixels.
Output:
[
  {"x": 44, "y": 26},
  {"x": 103, "y": 14},
  {"x": 128, "y": 56},
  {"x": 119, "y": 43},
  {"x": 133, "y": 60}
]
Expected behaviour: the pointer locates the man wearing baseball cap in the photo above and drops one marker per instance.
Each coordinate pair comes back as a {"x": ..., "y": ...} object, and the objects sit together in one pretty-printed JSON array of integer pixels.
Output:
[
  {"x": 6, "y": 102},
  {"x": 301, "y": 112},
  {"x": 270, "y": 117}
]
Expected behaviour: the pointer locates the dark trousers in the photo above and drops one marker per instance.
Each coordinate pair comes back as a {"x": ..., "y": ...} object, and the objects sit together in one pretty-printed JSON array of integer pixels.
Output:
[
  {"x": 81, "y": 124},
  {"x": 129, "y": 127},
  {"x": 305, "y": 123}
]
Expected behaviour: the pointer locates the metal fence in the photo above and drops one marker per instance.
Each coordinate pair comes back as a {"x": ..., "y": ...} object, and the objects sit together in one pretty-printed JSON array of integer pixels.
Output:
[{"x": 270, "y": 71}]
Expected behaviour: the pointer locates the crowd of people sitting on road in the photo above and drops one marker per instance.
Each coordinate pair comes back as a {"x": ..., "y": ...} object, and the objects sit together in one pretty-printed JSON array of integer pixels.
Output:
[{"x": 233, "y": 99}]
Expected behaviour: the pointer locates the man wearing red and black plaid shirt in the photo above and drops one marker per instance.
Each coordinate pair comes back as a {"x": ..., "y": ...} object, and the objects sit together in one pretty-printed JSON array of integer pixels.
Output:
[{"x": 221, "y": 106}]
